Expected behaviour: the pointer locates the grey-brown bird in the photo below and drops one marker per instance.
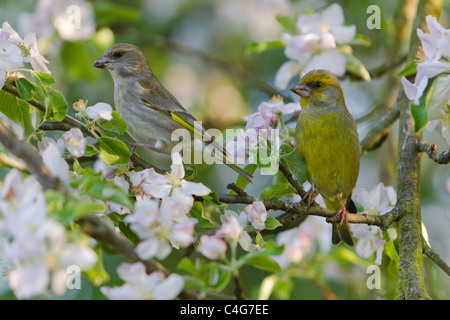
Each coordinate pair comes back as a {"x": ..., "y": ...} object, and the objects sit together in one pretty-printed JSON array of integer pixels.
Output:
[{"x": 151, "y": 112}]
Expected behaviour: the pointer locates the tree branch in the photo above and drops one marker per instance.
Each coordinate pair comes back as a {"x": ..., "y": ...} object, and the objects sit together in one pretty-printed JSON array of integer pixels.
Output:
[
  {"x": 295, "y": 211},
  {"x": 435, "y": 257},
  {"x": 23, "y": 150},
  {"x": 430, "y": 150}
]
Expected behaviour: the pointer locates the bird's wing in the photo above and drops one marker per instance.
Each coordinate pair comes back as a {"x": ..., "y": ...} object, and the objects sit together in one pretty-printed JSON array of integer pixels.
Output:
[{"x": 161, "y": 100}]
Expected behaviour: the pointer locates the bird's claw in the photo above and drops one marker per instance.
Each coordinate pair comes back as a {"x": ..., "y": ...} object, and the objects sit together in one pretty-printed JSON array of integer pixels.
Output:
[{"x": 309, "y": 198}]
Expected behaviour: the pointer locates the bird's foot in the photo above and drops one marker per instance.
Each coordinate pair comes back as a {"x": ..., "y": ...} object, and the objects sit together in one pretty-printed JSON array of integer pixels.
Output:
[
  {"x": 342, "y": 212},
  {"x": 309, "y": 197}
]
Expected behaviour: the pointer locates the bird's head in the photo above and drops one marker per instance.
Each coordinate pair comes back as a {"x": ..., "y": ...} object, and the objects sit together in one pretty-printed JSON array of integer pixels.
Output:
[
  {"x": 123, "y": 60},
  {"x": 318, "y": 87}
]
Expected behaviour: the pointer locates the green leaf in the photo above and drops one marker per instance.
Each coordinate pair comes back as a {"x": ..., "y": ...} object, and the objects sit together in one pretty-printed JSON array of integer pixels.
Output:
[
  {"x": 211, "y": 276},
  {"x": 288, "y": 23},
  {"x": 98, "y": 275},
  {"x": 360, "y": 40},
  {"x": 296, "y": 166},
  {"x": 187, "y": 265},
  {"x": 264, "y": 263},
  {"x": 92, "y": 184},
  {"x": 262, "y": 259},
  {"x": 68, "y": 210},
  {"x": 409, "y": 70},
  {"x": 127, "y": 232},
  {"x": 272, "y": 223},
  {"x": 116, "y": 124},
  {"x": 198, "y": 213},
  {"x": 256, "y": 47},
  {"x": 56, "y": 106},
  {"x": 90, "y": 151},
  {"x": 25, "y": 88},
  {"x": 42, "y": 79},
  {"x": 18, "y": 111},
  {"x": 277, "y": 191},
  {"x": 355, "y": 66},
  {"x": 391, "y": 253},
  {"x": 420, "y": 111},
  {"x": 113, "y": 151}
]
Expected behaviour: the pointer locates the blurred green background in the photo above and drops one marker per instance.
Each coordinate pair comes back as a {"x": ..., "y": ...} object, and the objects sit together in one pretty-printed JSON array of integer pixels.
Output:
[{"x": 197, "y": 48}]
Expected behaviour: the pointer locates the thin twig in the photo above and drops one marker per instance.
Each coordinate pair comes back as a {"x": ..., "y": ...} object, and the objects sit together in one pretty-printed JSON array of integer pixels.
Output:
[
  {"x": 239, "y": 288},
  {"x": 430, "y": 150},
  {"x": 435, "y": 257},
  {"x": 298, "y": 210},
  {"x": 294, "y": 183},
  {"x": 232, "y": 186}
]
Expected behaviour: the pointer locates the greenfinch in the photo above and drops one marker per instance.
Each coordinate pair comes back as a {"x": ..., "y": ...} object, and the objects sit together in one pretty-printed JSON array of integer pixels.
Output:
[
  {"x": 326, "y": 138},
  {"x": 151, "y": 112}
]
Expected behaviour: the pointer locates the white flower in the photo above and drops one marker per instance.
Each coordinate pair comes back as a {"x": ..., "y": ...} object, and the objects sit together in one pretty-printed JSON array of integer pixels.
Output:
[
  {"x": 212, "y": 247},
  {"x": 28, "y": 50},
  {"x": 329, "y": 25},
  {"x": 140, "y": 286},
  {"x": 100, "y": 110},
  {"x": 315, "y": 47},
  {"x": 436, "y": 50},
  {"x": 379, "y": 200},
  {"x": 37, "y": 61},
  {"x": 256, "y": 214},
  {"x": 439, "y": 108},
  {"x": 74, "y": 142},
  {"x": 231, "y": 229},
  {"x": 35, "y": 245},
  {"x": 172, "y": 184},
  {"x": 10, "y": 54},
  {"x": 265, "y": 118},
  {"x": 233, "y": 225},
  {"x": 115, "y": 207},
  {"x": 52, "y": 159},
  {"x": 302, "y": 241},
  {"x": 160, "y": 228}
]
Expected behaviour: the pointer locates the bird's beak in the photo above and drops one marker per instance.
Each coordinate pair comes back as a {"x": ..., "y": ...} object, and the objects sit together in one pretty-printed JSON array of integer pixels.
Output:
[
  {"x": 302, "y": 90},
  {"x": 102, "y": 63}
]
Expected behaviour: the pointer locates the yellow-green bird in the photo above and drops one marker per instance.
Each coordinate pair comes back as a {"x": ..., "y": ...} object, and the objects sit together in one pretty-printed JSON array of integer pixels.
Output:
[
  {"x": 151, "y": 112},
  {"x": 326, "y": 138}
]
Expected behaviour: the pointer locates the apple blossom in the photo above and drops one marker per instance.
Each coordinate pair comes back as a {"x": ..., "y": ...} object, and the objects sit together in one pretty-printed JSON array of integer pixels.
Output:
[
  {"x": 212, "y": 247},
  {"x": 142, "y": 286},
  {"x": 74, "y": 142},
  {"x": 232, "y": 229},
  {"x": 35, "y": 245},
  {"x": 379, "y": 200},
  {"x": 256, "y": 214},
  {"x": 315, "y": 47},
  {"x": 100, "y": 110},
  {"x": 434, "y": 59}
]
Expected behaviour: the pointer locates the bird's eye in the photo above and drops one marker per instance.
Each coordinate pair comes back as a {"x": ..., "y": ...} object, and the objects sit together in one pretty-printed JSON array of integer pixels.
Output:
[
  {"x": 118, "y": 54},
  {"x": 317, "y": 84}
]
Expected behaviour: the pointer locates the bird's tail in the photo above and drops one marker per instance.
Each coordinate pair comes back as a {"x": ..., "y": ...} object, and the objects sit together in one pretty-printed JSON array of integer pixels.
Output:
[
  {"x": 226, "y": 158},
  {"x": 341, "y": 230},
  {"x": 242, "y": 172}
]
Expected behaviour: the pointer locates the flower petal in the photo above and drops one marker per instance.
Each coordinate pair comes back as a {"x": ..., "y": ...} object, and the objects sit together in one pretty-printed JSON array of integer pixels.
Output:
[{"x": 286, "y": 72}]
